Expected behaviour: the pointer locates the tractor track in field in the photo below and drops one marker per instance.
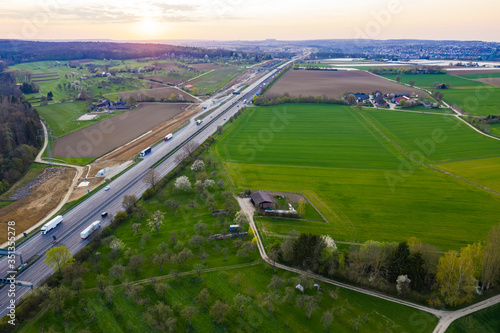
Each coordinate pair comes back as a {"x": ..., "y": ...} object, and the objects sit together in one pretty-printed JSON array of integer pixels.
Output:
[{"x": 430, "y": 166}]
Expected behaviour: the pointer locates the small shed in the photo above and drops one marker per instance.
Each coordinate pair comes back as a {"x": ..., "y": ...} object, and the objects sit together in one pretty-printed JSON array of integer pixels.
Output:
[
  {"x": 300, "y": 287},
  {"x": 263, "y": 200}
]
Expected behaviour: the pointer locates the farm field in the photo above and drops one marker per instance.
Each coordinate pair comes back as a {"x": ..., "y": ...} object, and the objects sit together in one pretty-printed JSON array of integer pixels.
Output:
[
  {"x": 483, "y": 171},
  {"x": 479, "y": 101},
  {"x": 359, "y": 200},
  {"x": 334, "y": 83},
  {"x": 427, "y": 80},
  {"x": 133, "y": 294},
  {"x": 495, "y": 81},
  {"x": 103, "y": 137},
  {"x": 61, "y": 117},
  {"x": 481, "y": 75},
  {"x": 158, "y": 93},
  {"x": 483, "y": 321},
  {"x": 213, "y": 81},
  {"x": 472, "y": 71}
]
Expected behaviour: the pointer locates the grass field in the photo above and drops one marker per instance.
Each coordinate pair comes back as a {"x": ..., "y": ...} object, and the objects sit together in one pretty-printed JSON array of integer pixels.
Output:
[
  {"x": 483, "y": 171},
  {"x": 480, "y": 75},
  {"x": 61, "y": 117},
  {"x": 484, "y": 321},
  {"x": 126, "y": 313},
  {"x": 495, "y": 129},
  {"x": 427, "y": 80},
  {"x": 479, "y": 101},
  {"x": 215, "y": 80},
  {"x": 347, "y": 170}
]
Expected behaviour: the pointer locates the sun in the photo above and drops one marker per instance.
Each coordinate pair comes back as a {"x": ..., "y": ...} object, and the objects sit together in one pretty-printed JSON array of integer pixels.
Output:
[{"x": 150, "y": 28}]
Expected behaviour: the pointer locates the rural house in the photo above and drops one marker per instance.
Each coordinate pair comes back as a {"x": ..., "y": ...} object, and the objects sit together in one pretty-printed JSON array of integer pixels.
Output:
[{"x": 263, "y": 200}]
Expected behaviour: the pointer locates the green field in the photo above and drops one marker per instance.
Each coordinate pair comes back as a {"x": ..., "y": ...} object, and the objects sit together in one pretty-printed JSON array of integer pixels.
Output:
[
  {"x": 483, "y": 321},
  {"x": 428, "y": 80},
  {"x": 215, "y": 80},
  {"x": 358, "y": 179},
  {"x": 495, "y": 129},
  {"x": 483, "y": 171},
  {"x": 61, "y": 117},
  {"x": 478, "y": 101},
  {"x": 480, "y": 76}
]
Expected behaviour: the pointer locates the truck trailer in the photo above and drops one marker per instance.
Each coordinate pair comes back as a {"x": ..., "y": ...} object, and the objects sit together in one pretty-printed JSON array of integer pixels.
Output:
[
  {"x": 145, "y": 152},
  {"x": 51, "y": 224},
  {"x": 90, "y": 229}
]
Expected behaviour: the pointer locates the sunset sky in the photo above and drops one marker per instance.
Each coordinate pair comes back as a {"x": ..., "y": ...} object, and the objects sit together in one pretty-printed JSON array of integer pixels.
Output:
[{"x": 250, "y": 20}]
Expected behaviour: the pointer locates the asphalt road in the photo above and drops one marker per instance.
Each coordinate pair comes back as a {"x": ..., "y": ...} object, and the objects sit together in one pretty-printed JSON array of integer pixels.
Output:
[{"x": 68, "y": 232}]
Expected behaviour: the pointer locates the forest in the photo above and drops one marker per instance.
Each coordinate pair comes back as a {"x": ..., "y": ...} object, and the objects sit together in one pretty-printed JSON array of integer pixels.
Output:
[{"x": 19, "y": 126}]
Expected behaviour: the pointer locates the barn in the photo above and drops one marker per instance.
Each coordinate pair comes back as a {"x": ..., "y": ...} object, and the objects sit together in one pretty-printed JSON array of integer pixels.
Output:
[{"x": 263, "y": 200}]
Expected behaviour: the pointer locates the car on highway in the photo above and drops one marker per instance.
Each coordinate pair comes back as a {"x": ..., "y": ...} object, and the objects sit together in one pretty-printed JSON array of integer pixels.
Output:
[
  {"x": 106, "y": 188},
  {"x": 104, "y": 214}
]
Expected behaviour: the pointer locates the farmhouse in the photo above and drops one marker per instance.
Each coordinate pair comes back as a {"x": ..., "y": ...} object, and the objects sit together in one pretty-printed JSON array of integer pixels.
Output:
[
  {"x": 263, "y": 200},
  {"x": 360, "y": 97}
]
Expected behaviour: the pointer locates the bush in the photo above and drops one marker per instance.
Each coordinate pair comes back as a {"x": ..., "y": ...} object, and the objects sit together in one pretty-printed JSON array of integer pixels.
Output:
[{"x": 148, "y": 194}]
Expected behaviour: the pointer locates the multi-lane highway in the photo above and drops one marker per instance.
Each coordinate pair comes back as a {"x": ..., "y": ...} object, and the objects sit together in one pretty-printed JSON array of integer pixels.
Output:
[{"x": 131, "y": 182}]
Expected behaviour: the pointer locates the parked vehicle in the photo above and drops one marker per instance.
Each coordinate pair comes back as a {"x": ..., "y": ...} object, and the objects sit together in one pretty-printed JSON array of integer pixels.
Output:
[
  {"x": 169, "y": 136},
  {"x": 51, "y": 224},
  {"x": 90, "y": 229},
  {"x": 146, "y": 151}
]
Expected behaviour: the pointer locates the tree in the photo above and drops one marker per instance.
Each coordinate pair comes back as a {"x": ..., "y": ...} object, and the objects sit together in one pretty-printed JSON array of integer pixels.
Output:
[
  {"x": 220, "y": 184},
  {"x": 57, "y": 297},
  {"x": 276, "y": 282},
  {"x": 136, "y": 262},
  {"x": 117, "y": 245},
  {"x": 491, "y": 259},
  {"x": 151, "y": 178},
  {"x": 219, "y": 130},
  {"x": 160, "y": 288},
  {"x": 403, "y": 285},
  {"x": 245, "y": 249},
  {"x": 190, "y": 147},
  {"x": 182, "y": 183},
  {"x": 171, "y": 324},
  {"x": 308, "y": 303},
  {"x": 198, "y": 165},
  {"x": 327, "y": 319},
  {"x": 351, "y": 99},
  {"x": 240, "y": 301},
  {"x": 219, "y": 310},
  {"x": 57, "y": 257},
  {"x": 189, "y": 312},
  {"x": 77, "y": 284},
  {"x": 116, "y": 272},
  {"x": 184, "y": 255},
  {"x": 160, "y": 312},
  {"x": 301, "y": 208},
  {"x": 101, "y": 282},
  {"x": 398, "y": 79},
  {"x": 129, "y": 202},
  {"x": 144, "y": 240},
  {"x": 412, "y": 83},
  {"x": 200, "y": 227},
  {"x": 455, "y": 278},
  {"x": 399, "y": 262},
  {"x": 175, "y": 274},
  {"x": 289, "y": 295},
  {"x": 172, "y": 205},
  {"x": 50, "y": 96},
  {"x": 307, "y": 251},
  {"x": 156, "y": 221},
  {"x": 197, "y": 268},
  {"x": 160, "y": 259},
  {"x": 173, "y": 237},
  {"x": 241, "y": 218},
  {"x": 203, "y": 297},
  {"x": 269, "y": 299},
  {"x": 131, "y": 101},
  {"x": 136, "y": 228},
  {"x": 173, "y": 98}
]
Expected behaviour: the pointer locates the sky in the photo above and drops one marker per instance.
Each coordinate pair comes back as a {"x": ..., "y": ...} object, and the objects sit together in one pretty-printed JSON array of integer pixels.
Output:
[{"x": 250, "y": 20}]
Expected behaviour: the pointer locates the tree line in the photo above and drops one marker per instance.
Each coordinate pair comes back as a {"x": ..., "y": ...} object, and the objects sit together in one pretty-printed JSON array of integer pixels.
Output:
[
  {"x": 412, "y": 269},
  {"x": 286, "y": 98}
]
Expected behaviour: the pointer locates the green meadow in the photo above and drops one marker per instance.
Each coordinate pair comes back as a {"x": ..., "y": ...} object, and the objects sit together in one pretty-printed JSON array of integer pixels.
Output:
[
  {"x": 361, "y": 181},
  {"x": 483, "y": 321},
  {"x": 478, "y": 101},
  {"x": 428, "y": 80}
]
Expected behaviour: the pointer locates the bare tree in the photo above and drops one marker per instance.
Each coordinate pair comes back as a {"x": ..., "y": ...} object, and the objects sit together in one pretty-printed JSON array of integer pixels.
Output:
[
  {"x": 203, "y": 297},
  {"x": 160, "y": 259},
  {"x": 276, "y": 282},
  {"x": 327, "y": 319},
  {"x": 219, "y": 310},
  {"x": 190, "y": 147},
  {"x": 198, "y": 267},
  {"x": 274, "y": 256},
  {"x": 160, "y": 288},
  {"x": 152, "y": 177},
  {"x": 189, "y": 312},
  {"x": 129, "y": 202},
  {"x": 136, "y": 262},
  {"x": 240, "y": 301},
  {"x": 173, "y": 237}
]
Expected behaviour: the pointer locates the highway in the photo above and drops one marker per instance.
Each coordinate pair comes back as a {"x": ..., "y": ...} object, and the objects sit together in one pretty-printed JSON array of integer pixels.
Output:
[{"x": 131, "y": 182}]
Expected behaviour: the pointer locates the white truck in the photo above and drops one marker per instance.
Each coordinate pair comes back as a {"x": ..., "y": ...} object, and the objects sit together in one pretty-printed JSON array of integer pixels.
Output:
[
  {"x": 51, "y": 224},
  {"x": 90, "y": 229}
]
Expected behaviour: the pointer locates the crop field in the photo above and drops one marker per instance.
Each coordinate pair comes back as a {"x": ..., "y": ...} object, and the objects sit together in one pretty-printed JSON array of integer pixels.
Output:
[
  {"x": 158, "y": 93},
  {"x": 479, "y": 101},
  {"x": 481, "y": 75},
  {"x": 483, "y": 171},
  {"x": 61, "y": 117},
  {"x": 473, "y": 71},
  {"x": 111, "y": 133},
  {"x": 495, "y": 81},
  {"x": 213, "y": 81},
  {"x": 427, "y": 80},
  {"x": 334, "y": 83},
  {"x": 360, "y": 181},
  {"x": 205, "y": 67},
  {"x": 483, "y": 321}
]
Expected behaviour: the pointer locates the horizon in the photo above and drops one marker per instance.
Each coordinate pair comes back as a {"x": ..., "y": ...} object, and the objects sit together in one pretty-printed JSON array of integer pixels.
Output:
[{"x": 225, "y": 20}]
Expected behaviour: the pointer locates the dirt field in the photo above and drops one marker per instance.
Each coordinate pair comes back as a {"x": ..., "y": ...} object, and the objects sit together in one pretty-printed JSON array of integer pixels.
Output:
[
  {"x": 100, "y": 138},
  {"x": 28, "y": 211},
  {"x": 162, "y": 79},
  {"x": 157, "y": 93},
  {"x": 205, "y": 67},
  {"x": 171, "y": 66},
  {"x": 152, "y": 85},
  {"x": 334, "y": 83},
  {"x": 491, "y": 80},
  {"x": 472, "y": 71}
]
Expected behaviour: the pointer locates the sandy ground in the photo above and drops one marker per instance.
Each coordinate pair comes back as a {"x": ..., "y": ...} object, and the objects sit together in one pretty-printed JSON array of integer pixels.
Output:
[
  {"x": 334, "y": 83},
  {"x": 100, "y": 138},
  {"x": 28, "y": 211}
]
